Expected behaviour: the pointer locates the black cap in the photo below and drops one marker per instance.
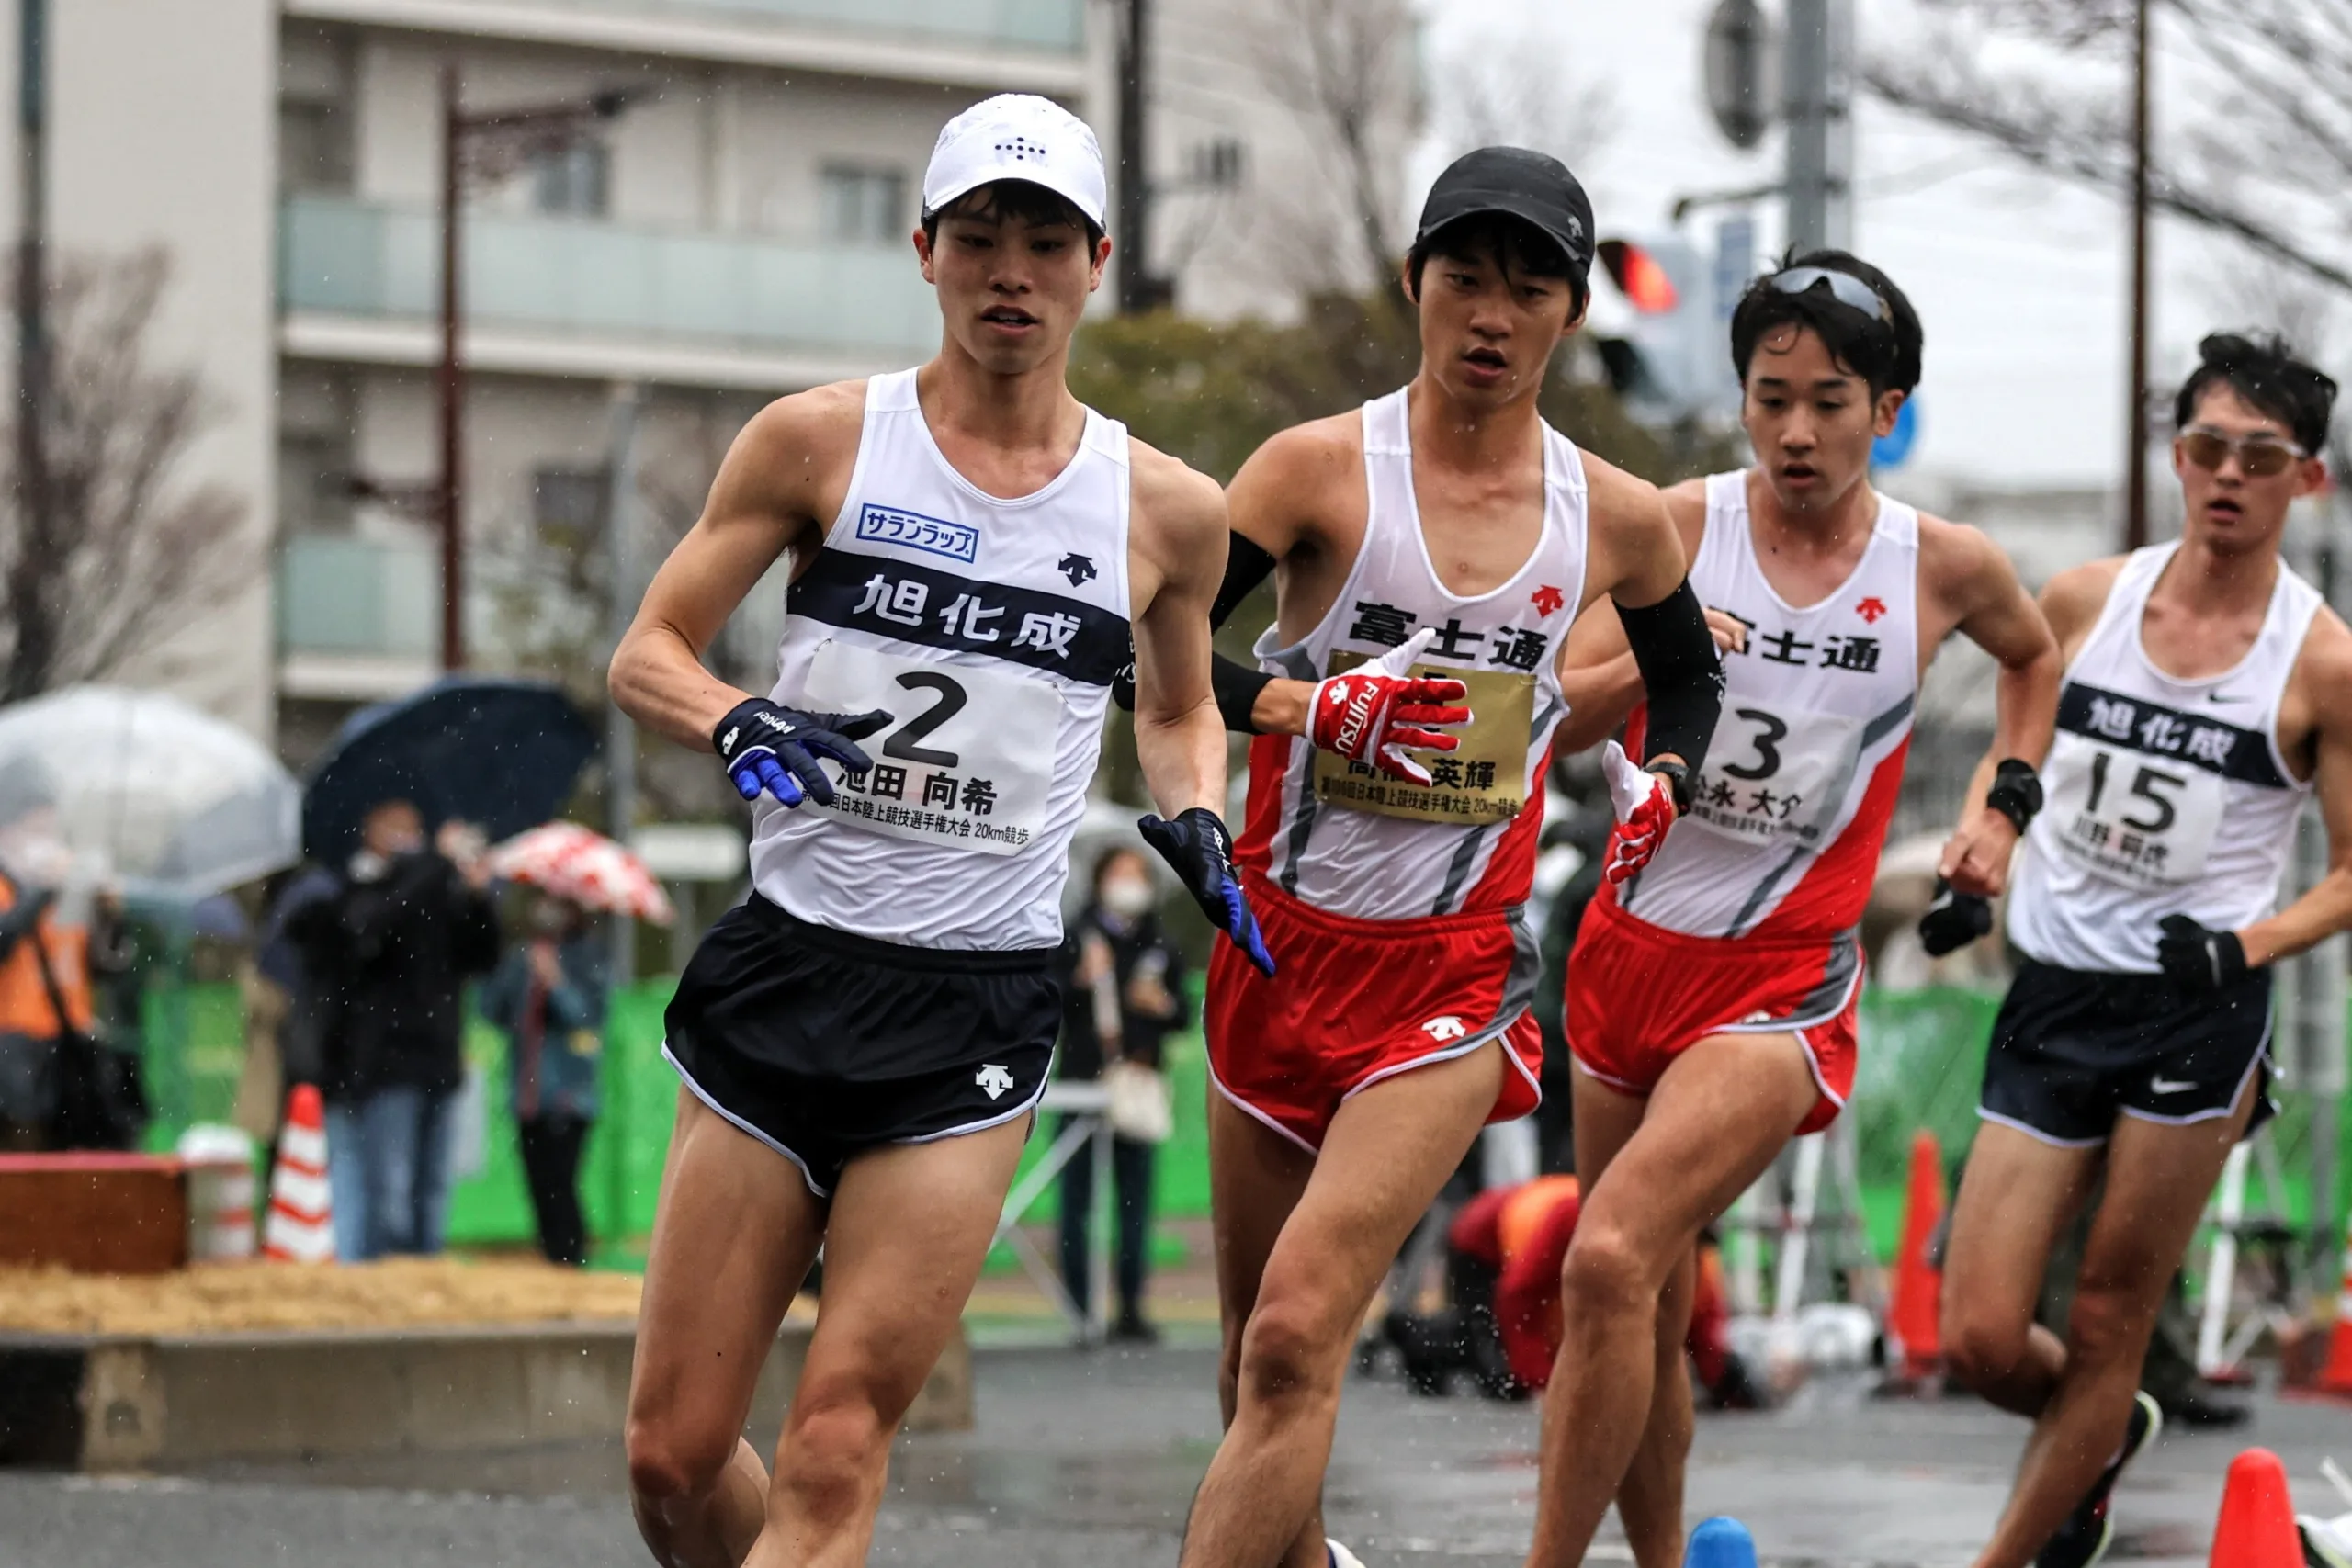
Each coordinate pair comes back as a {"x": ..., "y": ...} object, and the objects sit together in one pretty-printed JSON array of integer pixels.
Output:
[{"x": 1518, "y": 183}]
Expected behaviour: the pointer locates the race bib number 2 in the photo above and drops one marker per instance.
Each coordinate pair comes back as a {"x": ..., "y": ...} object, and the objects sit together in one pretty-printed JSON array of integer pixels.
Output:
[
  {"x": 2142, "y": 820},
  {"x": 967, "y": 761}
]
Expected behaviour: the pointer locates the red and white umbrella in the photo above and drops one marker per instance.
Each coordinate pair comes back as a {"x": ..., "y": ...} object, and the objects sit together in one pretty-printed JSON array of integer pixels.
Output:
[{"x": 584, "y": 866}]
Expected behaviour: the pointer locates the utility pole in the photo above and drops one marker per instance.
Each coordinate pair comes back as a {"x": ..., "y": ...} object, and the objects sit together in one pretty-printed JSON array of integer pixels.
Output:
[
  {"x": 2135, "y": 461},
  {"x": 620, "y": 734},
  {"x": 1818, "y": 77},
  {"x": 453, "y": 385},
  {"x": 36, "y": 626},
  {"x": 1138, "y": 290}
]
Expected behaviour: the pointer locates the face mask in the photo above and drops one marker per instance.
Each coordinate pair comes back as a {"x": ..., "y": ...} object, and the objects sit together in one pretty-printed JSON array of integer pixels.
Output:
[{"x": 1128, "y": 897}]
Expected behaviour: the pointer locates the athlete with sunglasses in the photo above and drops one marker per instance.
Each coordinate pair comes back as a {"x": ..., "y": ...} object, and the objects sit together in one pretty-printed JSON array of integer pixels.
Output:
[
  {"x": 2208, "y": 694},
  {"x": 1711, "y": 994}
]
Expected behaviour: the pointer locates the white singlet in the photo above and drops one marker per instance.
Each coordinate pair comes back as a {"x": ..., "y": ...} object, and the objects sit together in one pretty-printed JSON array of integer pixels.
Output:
[
  {"x": 1352, "y": 840},
  {"x": 990, "y": 629},
  {"x": 1788, "y": 814},
  {"x": 2162, "y": 796}
]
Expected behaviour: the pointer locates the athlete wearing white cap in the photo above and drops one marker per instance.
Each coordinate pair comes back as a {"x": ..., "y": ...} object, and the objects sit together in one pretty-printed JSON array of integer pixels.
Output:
[{"x": 863, "y": 1042}]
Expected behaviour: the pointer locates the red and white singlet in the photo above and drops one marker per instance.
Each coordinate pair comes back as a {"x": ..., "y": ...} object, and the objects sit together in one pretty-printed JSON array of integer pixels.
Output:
[
  {"x": 1747, "y": 916},
  {"x": 1393, "y": 911},
  {"x": 1350, "y": 841}
]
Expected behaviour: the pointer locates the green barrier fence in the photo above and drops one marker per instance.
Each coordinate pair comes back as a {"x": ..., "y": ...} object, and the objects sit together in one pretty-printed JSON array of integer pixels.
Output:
[{"x": 1922, "y": 1060}]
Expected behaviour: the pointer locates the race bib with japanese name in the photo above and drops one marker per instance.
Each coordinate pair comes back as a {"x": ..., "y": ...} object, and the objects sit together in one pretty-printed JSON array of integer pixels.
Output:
[
  {"x": 2145, "y": 822},
  {"x": 967, "y": 761},
  {"x": 1483, "y": 780},
  {"x": 1772, "y": 776}
]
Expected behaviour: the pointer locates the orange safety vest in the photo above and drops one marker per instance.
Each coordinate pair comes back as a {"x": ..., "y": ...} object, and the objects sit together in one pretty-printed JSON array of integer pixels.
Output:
[{"x": 24, "y": 1007}]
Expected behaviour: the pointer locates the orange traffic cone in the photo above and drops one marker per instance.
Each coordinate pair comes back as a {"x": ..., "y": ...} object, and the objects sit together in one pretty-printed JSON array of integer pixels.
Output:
[
  {"x": 1917, "y": 1352},
  {"x": 2336, "y": 1377},
  {"x": 2256, "y": 1528},
  {"x": 300, "y": 1228}
]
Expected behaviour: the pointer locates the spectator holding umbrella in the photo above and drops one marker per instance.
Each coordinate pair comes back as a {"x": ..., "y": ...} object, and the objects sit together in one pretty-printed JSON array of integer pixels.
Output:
[
  {"x": 389, "y": 950},
  {"x": 548, "y": 998}
]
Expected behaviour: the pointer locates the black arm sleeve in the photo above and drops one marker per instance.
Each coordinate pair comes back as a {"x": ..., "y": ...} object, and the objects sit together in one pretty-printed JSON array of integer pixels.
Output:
[
  {"x": 1237, "y": 685},
  {"x": 1680, "y": 671}
]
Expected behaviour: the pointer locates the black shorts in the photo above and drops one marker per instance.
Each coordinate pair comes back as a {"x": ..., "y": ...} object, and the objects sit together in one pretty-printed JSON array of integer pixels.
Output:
[
  {"x": 2072, "y": 1050},
  {"x": 823, "y": 1045}
]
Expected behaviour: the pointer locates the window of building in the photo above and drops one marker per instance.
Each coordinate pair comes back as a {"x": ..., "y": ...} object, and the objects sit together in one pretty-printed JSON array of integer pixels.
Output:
[
  {"x": 577, "y": 180},
  {"x": 863, "y": 206}
]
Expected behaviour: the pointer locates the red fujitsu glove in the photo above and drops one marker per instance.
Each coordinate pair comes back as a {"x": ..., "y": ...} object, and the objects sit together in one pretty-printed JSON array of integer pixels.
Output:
[
  {"x": 1644, "y": 803},
  {"x": 1374, "y": 710}
]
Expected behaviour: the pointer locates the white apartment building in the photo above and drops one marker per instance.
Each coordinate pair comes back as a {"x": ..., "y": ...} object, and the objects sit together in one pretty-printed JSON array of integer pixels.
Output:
[{"x": 737, "y": 231}]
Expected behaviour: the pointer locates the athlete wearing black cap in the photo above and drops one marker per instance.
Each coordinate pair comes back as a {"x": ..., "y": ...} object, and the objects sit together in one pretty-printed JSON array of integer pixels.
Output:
[{"x": 1433, "y": 550}]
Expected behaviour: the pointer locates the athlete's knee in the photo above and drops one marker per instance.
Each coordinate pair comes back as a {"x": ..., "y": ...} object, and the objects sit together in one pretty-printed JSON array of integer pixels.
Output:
[
  {"x": 836, "y": 1440},
  {"x": 1982, "y": 1349},
  {"x": 674, "y": 1459},
  {"x": 2108, "y": 1319},
  {"x": 1287, "y": 1353},
  {"x": 1605, "y": 1271}
]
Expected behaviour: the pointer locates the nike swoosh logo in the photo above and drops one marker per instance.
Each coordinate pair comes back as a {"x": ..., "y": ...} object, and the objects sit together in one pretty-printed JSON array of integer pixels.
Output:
[
  {"x": 2218, "y": 697},
  {"x": 2169, "y": 1086}
]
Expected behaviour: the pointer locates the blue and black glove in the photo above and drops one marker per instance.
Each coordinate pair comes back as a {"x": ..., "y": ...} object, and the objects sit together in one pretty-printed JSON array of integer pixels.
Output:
[
  {"x": 766, "y": 746},
  {"x": 1200, "y": 849},
  {"x": 1953, "y": 919}
]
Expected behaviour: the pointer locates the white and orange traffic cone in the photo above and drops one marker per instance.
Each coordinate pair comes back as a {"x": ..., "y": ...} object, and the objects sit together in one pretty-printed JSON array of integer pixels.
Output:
[{"x": 301, "y": 1227}]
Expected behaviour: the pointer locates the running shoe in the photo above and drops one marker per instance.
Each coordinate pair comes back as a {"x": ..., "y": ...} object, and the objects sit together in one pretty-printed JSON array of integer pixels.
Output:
[
  {"x": 2328, "y": 1543},
  {"x": 1341, "y": 1556},
  {"x": 2084, "y": 1539}
]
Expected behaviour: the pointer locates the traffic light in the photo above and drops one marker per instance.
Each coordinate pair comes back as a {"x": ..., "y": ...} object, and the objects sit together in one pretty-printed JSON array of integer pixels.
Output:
[{"x": 1672, "y": 362}]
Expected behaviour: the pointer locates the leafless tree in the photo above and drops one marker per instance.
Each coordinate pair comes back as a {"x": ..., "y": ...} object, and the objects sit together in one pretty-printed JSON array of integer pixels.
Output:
[
  {"x": 1510, "y": 86},
  {"x": 122, "y": 556},
  {"x": 2252, "y": 101},
  {"x": 1345, "y": 69}
]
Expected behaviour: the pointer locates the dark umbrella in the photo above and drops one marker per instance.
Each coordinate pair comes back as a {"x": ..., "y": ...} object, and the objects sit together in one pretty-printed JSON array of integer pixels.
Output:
[{"x": 499, "y": 754}]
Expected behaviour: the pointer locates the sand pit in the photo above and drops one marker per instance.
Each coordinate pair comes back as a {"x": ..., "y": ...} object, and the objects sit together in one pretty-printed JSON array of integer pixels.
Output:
[{"x": 219, "y": 1298}]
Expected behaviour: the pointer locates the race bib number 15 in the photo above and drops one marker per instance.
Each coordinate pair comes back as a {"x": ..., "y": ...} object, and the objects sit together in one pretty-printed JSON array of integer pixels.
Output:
[
  {"x": 2142, "y": 820},
  {"x": 967, "y": 761}
]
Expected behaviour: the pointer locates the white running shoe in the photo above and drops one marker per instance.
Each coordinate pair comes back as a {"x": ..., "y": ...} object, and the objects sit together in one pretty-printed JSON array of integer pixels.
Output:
[
  {"x": 1341, "y": 1556},
  {"x": 2328, "y": 1543}
]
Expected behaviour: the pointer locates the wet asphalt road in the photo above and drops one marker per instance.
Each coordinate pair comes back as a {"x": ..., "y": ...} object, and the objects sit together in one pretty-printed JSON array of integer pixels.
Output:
[{"x": 1091, "y": 1458}]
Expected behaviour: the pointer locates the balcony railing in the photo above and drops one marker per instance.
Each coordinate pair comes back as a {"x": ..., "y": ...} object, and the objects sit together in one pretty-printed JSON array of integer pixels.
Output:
[
  {"x": 1055, "y": 25},
  {"x": 341, "y": 595},
  {"x": 588, "y": 279}
]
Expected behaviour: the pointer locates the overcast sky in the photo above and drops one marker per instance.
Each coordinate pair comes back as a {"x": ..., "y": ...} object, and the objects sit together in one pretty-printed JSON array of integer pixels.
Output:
[{"x": 2021, "y": 282}]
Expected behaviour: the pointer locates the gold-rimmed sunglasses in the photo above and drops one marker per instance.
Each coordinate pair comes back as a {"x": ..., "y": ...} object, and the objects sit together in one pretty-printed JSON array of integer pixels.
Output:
[{"x": 2259, "y": 457}]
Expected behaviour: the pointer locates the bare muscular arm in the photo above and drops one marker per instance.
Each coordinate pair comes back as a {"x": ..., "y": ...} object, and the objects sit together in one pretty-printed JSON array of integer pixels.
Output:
[
  {"x": 787, "y": 472},
  {"x": 2326, "y": 669},
  {"x": 1178, "y": 546},
  {"x": 1976, "y": 587}
]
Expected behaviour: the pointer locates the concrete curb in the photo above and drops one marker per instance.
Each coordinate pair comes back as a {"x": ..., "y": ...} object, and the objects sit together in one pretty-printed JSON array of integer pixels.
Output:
[{"x": 116, "y": 1403}]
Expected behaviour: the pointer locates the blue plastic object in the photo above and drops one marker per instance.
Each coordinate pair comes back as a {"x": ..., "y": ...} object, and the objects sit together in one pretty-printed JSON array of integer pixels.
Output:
[
  {"x": 1893, "y": 449},
  {"x": 1720, "y": 1542}
]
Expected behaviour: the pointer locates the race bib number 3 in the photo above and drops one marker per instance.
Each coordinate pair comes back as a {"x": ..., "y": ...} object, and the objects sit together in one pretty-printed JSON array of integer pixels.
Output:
[
  {"x": 1483, "y": 780},
  {"x": 2141, "y": 820},
  {"x": 1773, "y": 777},
  {"x": 967, "y": 761}
]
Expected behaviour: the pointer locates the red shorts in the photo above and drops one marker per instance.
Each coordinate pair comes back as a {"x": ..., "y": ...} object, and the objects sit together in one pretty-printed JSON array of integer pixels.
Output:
[
  {"x": 1356, "y": 1002},
  {"x": 1639, "y": 994}
]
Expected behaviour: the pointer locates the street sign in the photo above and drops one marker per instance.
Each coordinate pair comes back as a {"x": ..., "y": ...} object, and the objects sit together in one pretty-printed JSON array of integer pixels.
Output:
[{"x": 1742, "y": 87}]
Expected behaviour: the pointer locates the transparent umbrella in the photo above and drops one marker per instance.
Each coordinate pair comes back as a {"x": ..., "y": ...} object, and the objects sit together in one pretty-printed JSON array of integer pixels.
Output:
[{"x": 143, "y": 789}]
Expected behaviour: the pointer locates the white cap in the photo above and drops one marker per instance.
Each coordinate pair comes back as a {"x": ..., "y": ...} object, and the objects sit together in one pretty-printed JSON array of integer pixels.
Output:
[{"x": 1017, "y": 136}]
